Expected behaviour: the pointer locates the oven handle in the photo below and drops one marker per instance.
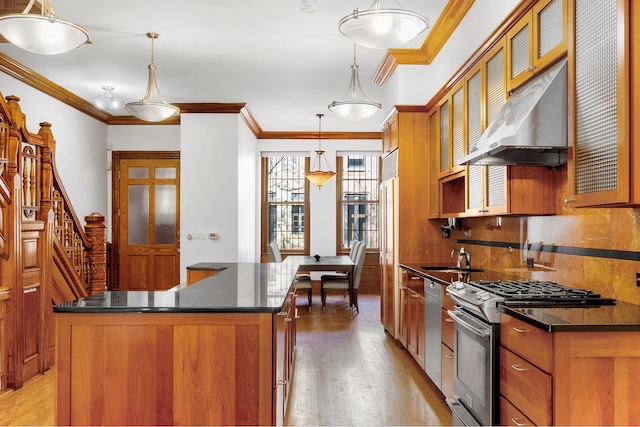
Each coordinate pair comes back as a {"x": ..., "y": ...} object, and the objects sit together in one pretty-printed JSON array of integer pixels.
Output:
[{"x": 457, "y": 318}]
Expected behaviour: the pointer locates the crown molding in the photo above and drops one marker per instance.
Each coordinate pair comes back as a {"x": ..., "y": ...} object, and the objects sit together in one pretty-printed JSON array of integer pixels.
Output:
[
  {"x": 444, "y": 26},
  {"x": 24, "y": 74}
]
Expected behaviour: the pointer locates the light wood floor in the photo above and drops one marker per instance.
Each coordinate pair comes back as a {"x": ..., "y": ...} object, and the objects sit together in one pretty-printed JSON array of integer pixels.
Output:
[{"x": 347, "y": 372}]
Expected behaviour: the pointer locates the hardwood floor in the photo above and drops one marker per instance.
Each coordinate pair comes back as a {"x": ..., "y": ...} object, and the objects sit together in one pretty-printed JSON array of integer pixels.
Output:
[{"x": 347, "y": 372}]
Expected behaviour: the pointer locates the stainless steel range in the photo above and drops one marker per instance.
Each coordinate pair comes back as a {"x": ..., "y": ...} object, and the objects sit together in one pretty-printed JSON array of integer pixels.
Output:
[{"x": 477, "y": 337}]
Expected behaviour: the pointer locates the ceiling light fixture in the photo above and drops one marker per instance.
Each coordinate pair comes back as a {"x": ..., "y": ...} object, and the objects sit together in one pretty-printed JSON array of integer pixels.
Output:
[
  {"x": 309, "y": 6},
  {"x": 354, "y": 105},
  {"x": 153, "y": 107},
  {"x": 382, "y": 26},
  {"x": 318, "y": 177},
  {"x": 42, "y": 33},
  {"x": 107, "y": 101}
]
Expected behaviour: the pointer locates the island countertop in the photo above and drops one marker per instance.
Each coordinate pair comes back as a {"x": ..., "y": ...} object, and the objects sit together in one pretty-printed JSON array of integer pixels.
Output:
[{"x": 236, "y": 288}]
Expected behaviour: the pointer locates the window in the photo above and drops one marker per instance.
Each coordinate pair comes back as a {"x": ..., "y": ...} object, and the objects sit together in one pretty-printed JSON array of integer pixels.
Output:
[
  {"x": 284, "y": 204},
  {"x": 358, "y": 186}
]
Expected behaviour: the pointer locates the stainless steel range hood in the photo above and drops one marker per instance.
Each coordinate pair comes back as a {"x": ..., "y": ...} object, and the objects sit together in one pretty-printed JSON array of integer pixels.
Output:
[{"x": 531, "y": 127}]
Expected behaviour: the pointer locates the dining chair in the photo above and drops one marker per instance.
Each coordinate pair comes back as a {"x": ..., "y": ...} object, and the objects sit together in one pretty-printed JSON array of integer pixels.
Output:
[
  {"x": 343, "y": 284},
  {"x": 352, "y": 254},
  {"x": 303, "y": 281}
]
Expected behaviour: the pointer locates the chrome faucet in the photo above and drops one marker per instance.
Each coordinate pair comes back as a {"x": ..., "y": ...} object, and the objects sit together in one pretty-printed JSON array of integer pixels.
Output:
[{"x": 463, "y": 255}]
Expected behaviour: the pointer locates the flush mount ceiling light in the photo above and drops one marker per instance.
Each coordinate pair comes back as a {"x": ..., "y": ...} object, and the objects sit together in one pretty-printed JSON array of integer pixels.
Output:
[
  {"x": 152, "y": 107},
  {"x": 107, "y": 101},
  {"x": 318, "y": 177},
  {"x": 42, "y": 33},
  {"x": 354, "y": 105},
  {"x": 383, "y": 26},
  {"x": 309, "y": 6}
]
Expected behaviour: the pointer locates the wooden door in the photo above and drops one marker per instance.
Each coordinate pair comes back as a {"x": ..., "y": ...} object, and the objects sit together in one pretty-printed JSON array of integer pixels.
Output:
[{"x": 147, "y": 213}]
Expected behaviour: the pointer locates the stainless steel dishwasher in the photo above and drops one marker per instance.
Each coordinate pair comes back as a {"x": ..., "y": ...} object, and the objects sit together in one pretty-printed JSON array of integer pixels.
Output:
[{"x": 433, "y": 331}]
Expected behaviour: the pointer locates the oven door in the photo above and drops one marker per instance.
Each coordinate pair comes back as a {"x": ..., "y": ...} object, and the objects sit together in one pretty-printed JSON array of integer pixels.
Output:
[{"x": 476, "y": 366}]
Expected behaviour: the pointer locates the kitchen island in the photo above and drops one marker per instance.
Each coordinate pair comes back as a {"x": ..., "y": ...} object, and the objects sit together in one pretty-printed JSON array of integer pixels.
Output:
[{"x": 217, "y": 352}]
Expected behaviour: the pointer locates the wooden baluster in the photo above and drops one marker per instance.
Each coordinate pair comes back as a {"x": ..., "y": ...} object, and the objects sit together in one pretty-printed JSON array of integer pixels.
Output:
[{"x": 96, "y": 230}]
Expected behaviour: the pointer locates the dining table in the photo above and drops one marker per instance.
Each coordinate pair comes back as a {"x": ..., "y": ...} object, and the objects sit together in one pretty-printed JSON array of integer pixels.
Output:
[{"x": 338, "y": 263}]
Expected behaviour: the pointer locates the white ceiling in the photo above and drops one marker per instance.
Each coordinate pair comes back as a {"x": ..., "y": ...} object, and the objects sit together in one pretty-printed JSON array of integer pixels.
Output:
[{"x": 285, "y": 64}]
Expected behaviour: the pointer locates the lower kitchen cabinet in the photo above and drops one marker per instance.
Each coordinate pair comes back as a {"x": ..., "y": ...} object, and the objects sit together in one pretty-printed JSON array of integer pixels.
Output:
[
  {"x": 447, "y": 353},
  {"x": 415, "y": 326},
  {"x": 568, "y": 378},
  {"x": 412, "y": 315}
]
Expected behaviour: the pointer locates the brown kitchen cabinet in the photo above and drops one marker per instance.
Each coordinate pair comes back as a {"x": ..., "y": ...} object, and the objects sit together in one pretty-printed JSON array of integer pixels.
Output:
[
  {"x": 447, "y": 346},
  {"x": 403, "y": 206},
  {"x": 535, "y": 41},
  {"x": 415, "y": 326},
  {"x": 411, "y": 319},
  {"x": 452, "y": 134},
  {"x": 390, "y": 136},
  {"x": 285, "y": 348},
  {"x": 567, "y": 378},
  {"x": 603, "y": 137}
]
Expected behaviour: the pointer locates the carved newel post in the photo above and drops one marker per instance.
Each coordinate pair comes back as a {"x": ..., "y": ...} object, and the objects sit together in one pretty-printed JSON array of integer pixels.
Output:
[{"x": 96, "y": 231}]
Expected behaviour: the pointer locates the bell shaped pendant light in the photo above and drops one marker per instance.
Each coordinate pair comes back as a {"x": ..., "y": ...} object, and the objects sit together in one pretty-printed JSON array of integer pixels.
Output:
[
  {"x": 42, "y": 33},
  {"x": 354, "y": 105},
  {"x": 152, "y": 107},
  {"x": 107, "y": 101},
  {"x": 383, "y": 26},
  {"x": 317, "y": 176}
]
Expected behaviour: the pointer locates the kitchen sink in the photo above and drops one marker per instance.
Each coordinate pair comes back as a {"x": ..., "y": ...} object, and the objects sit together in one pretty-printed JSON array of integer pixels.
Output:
[{"x": 450, "y": 269}]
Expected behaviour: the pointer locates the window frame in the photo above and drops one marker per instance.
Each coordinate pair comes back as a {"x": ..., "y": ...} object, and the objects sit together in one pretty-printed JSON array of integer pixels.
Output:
[
  {"x": 264, "y": 206},
  {"x": 340, "y": 158}
]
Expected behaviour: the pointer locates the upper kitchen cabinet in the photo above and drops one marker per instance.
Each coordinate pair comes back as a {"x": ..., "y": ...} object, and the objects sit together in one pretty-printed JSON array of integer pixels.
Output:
[
  {"x": 603, "y": 155},
  {"x": 536, "y": 40},
  {"x": 452, "y": 135},
  {"x": 390, "y": 135}
]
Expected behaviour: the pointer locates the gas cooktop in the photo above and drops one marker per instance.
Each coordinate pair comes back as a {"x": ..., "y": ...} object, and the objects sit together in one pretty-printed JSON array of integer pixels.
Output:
[{"x": 534, "y": 292}]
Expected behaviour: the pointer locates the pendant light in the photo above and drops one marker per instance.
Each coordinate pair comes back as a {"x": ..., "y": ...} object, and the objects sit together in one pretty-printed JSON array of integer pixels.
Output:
[
  {"x": 107, "y": 101},
  {"x": 318, "y": 177},
  {"x": 383, "y": 26},
  {"x": 42, "y": 33},
  {"x": 354, "y": 105},
  {"x": 153, "y": 107}
]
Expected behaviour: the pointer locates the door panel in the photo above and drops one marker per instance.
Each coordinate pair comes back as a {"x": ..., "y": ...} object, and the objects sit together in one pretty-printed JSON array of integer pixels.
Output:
[{"x": 148, "y": 223}]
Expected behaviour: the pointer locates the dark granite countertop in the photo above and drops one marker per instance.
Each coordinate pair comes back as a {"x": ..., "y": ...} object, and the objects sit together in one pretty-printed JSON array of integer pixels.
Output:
[
  {"x": 236, "y": 288},
  {"x": 605, "y": 318}
]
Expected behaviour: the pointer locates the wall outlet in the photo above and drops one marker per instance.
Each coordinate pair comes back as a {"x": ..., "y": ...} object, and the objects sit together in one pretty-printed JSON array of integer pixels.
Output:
[
  {"x": 529, "y": 262},
  {"x": 637, "y": 279},
  {"x": 214, "y": 236}
]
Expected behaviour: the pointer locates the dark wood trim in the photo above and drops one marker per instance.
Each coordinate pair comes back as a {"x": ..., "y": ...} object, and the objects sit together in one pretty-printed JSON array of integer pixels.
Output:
[
  {"x": 323, "y": 135},
  {"x": 131, "y": 120}
]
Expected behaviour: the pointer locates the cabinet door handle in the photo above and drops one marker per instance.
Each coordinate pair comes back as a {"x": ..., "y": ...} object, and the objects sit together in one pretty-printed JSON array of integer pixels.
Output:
[
  {"x": 519, "y": 330},
  {"x": 519, "y": 368},
  {"x": 448, "y": 320},
  {"x": 414, "y": 295},
  {"x": 449, "y": 356},
  {"x": 515, "y": 421},
  {"x": 416, "y": 278},
  {"x": 283, "y": 313}
]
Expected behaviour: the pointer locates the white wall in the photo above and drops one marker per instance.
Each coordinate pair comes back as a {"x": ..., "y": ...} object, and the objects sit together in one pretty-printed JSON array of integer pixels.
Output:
[{"x": 81, "y": 145}]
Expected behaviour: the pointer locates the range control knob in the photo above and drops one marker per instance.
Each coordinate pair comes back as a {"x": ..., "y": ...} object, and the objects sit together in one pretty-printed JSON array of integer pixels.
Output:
[{"x": 458, "y": 285}]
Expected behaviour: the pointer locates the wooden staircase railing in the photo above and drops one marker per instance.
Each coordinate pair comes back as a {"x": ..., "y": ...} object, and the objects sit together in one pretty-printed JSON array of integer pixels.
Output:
[{"x": 46, "y": 255}]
